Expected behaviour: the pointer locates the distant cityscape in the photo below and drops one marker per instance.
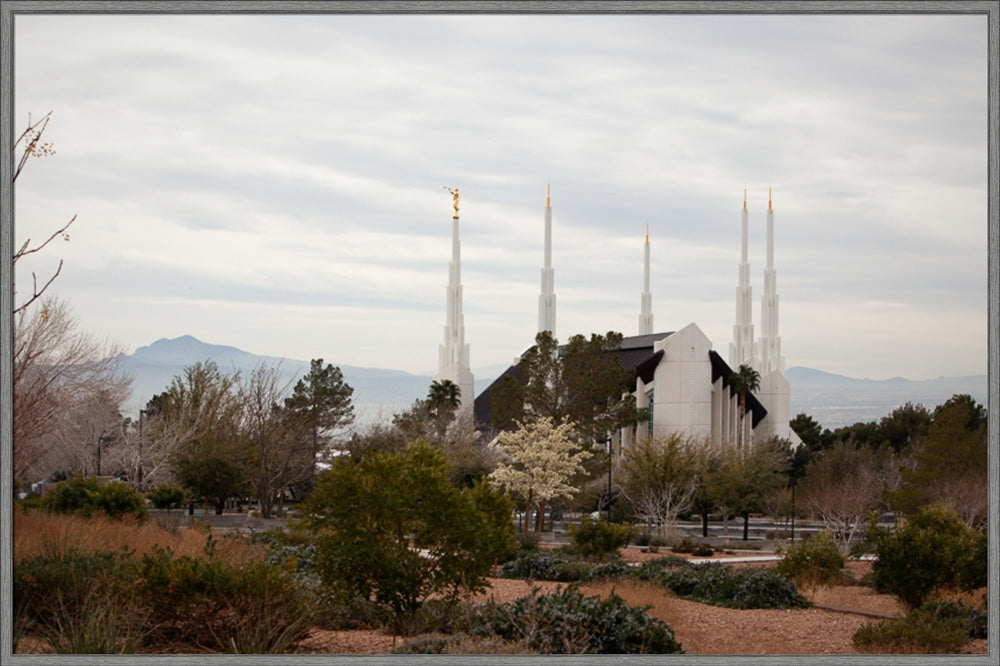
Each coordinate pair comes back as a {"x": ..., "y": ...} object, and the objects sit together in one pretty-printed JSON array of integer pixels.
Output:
[{"x": 832, "y": 400}]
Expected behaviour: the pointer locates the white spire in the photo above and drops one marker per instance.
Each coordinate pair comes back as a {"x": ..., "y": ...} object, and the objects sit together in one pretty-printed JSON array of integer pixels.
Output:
[
  {"x": 646, "y": 314},
  {"x": 770, "y": 341},
  {"x": 741, "y": 349},
  {"x": 547, "y": 297},
  {"x": 453, "y": 355}
]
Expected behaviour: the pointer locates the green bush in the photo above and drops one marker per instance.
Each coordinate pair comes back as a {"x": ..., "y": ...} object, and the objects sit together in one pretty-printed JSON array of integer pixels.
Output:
[
  {"x": 112, "y": 602},
  {"x": 390, "y": 527},
  {"x": 72, "y": 495},
  {"x": 599, "y": 538},
  {"x": 567, "y": 622},
  {"x": 546, "y": 564},
  {"x": 118, "y": 499},
  {"x": 933, "y": 550},
  {"x": 166, "y": 496},
  {"x": 717, "y": 584},
  {"x": 84, "y": 496},
  {"x": 813, "y": 561},
  {"x": 937, "y": 626}
]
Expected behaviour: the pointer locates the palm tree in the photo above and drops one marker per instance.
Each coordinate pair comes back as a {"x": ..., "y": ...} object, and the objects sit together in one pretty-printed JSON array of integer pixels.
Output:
[
  {"x": 744, "y": 380},
  {"x": 443, "y": 399}
]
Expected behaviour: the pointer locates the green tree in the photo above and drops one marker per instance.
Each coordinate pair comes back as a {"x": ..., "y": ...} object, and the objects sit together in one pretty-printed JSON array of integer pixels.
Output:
[
  {"x": 744, "y": 476},
  {"x": 583, "y": 383},
  {"x": 903, "y": 426},
  {"x": 950, "y": 464},
  {"x": 392, "y": 529},
  {"x": 540, "y": 461},
  {"x": 321, "y": 403},
  {"x": 200, "y": 413},
  {"x": 808, "y": 430},
  {"x": 744, "y": 380}
]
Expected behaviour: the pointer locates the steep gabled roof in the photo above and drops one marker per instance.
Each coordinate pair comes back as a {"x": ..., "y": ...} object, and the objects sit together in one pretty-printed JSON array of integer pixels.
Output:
[{"x": 636, "y": 354}]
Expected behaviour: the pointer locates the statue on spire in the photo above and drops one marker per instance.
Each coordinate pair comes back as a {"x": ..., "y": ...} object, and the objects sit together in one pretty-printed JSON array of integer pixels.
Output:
[{"x": 454, "y": 196}]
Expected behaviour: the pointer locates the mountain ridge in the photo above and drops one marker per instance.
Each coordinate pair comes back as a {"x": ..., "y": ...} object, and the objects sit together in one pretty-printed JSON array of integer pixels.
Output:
[{"x": 833, "y": 400}]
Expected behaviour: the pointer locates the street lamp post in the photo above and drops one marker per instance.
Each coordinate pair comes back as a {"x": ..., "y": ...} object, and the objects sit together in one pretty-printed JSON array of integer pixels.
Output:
[{"x": 607, "y": 443}]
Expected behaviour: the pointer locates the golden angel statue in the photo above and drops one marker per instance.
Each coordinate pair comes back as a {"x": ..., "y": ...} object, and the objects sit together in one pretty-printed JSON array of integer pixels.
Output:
[{"x": 454, "y": 196}]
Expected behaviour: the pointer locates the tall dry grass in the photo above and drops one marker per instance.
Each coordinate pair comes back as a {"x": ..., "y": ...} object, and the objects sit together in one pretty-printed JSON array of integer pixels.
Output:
[{"x": 39, "y": 533}]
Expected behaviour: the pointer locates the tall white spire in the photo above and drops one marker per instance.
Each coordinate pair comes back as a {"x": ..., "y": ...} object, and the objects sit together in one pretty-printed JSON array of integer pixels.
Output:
[
  {"x": 646, "y": 314},
  {"x": 453, "y": 355},
  {"x": 547, "y": 297},
  {"x": 770, "y": 341},
  {"x": 741, "y": 348}
]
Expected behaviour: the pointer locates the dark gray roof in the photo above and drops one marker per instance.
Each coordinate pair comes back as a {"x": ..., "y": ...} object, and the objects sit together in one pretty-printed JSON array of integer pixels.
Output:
[{"x": 636, "y": 355}]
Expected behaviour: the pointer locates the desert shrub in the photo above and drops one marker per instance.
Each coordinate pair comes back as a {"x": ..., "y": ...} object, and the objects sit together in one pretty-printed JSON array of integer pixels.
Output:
[
  {"x": 84, "y": 496},
  {"x": 932, "y": 551},
  {"x": 703, "y": 550},
  {"x": 534, "y": 565},
  {"x": 609, "y": 570},
  {"x": 599, "y": 538},
  {"x": 46, "y": 587},
  {"x": 653, "y": 570},
  {"x": 685, "y": 545},
  {"x": 527, "y": 540},
  {"x": 567, "y": 622},
  {"x": 390, "y": 527},
  {"x": 113, "y": 602},
  {"x": 167, "y": 496},
  {"x": 71, "y": 496},
  {"x": 937, "y": 626},
  {"x": 717, "y": 584},
  {"x": 118, "y": 499},
  {"x": 426, "y": 644},
  {"x": 813, "y": 561}
]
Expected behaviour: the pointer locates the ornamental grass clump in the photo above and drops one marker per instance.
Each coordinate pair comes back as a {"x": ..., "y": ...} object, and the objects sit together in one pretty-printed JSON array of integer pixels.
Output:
[{"x": 567, "y": 622}]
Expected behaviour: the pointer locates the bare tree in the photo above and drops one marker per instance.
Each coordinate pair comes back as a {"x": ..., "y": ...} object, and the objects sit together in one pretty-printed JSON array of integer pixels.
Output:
[
  {"x": 31, "y": 144},
  {"x": 282, "y": 449},
  {"x": 657, "y": 477},
  {"x": 57, "y": 371},
  {"x": 841, "y": 488}
]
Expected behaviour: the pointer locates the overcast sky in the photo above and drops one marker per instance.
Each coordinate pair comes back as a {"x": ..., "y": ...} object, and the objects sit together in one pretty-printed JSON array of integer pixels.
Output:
[{"x": 275, "y": 182}]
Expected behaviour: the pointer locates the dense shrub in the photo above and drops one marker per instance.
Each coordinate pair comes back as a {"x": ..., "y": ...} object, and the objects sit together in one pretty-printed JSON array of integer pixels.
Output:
[
  {"x": 546, "y": 564},
  {"x": 118, "y": 499},
  {"x": 567, "y": 622},
  {"x": 390, "y": 527},
  {"x": 813, "y": 561},
  {"x": 113, "y": 602},
  {"x": 686, "y": 545},
  {"x": 84, "y": 496},
  {"x": 932, "y": 551},
  {"x": 933, "y": 627},
  {"x": 599, "y": 538},
  {"x": 717, "y": 584},
  {"x": 166, "y": 496}
]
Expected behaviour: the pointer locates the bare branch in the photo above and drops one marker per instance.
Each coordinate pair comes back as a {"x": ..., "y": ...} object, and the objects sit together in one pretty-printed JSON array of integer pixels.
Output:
[
  {"x": 24, "y": 251},
  {"x": 33, "y": 134}
]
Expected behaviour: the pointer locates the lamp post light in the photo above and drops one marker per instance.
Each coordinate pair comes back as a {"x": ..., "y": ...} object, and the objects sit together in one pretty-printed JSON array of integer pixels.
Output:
[{"x": 607, "y": 443}]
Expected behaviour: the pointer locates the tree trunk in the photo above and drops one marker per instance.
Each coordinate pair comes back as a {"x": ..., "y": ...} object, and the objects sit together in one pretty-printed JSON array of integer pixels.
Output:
[
  {"x": 746, "y": 525},
  {"x": 220, "y": 506},
  {"x": 527, "y": 511},
  {"x": 704, "y": 524},
  {"x": 540, "y": 518}
]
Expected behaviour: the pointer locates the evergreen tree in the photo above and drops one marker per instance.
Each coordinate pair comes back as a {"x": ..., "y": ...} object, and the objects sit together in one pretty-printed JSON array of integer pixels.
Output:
[{"x": 321, "y": 404}]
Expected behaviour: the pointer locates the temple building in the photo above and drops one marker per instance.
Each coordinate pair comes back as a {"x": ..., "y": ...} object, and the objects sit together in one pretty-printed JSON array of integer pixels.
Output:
[{"x": 683, "y": 385}]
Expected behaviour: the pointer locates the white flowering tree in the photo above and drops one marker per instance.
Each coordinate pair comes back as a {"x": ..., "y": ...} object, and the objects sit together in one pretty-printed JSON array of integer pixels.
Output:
[{"x": 539, "y": 461}]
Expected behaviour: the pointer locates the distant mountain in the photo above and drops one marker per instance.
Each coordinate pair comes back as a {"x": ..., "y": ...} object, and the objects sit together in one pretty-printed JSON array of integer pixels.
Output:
[
  {"x": 833, "y": 400},
  {"x": 378, "y": 393},
  {"x": 836, "y": 400}
]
